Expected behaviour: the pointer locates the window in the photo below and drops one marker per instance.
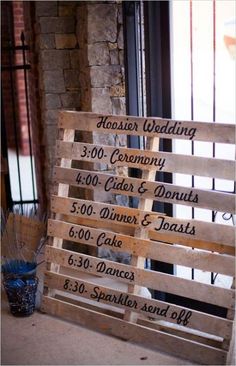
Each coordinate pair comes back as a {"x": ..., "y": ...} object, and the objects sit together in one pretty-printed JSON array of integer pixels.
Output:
[
  {"x": 188, "y": 74},
  {"x": 203, "y": 89}
]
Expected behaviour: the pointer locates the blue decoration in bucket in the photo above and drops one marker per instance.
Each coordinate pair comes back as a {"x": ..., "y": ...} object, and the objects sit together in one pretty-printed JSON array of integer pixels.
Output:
[
  {"x": 19, "y": 255},
  {"x": 19, "y": 267}
]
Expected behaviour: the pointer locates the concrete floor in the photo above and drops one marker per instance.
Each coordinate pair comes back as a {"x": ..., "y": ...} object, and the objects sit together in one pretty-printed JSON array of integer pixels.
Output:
[{"x": 44, "y": 340}]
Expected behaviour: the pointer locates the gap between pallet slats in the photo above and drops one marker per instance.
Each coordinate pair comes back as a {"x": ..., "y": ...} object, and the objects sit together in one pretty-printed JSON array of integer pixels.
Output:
[
  {"x": 156, "y": 236},
  {"x": 189, "y": 319},
  {"x": 152, "y": 279},
  {"x": 205, "y": 261},
  {"x": 135, "y": 333},
  {"x": 213, "y": 200},
  {"x": 151, "y": 221}
]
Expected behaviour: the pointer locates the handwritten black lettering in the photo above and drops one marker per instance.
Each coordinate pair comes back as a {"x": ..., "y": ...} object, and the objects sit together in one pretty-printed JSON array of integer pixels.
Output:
[
  {"x": 118, "y": 185},
  {"x": 145, "y": 221},
  {"x": 109, "y": 214},
  {"x": 169, "y": 128},
  {"x": 103, "y": 239},
  {"x": 114, "y": 125},
  {"x": 161, "y": 192},
  {"x": 155, "y": 310},
  {"x": 122, "y": 299},
  {"x": 103, "y": 268},
  {"x": 178, "y": 228},
  {"x": 142, "y": 189},
  {"x": 184, "y": 317},
  {"x": 119, "y": 157}
]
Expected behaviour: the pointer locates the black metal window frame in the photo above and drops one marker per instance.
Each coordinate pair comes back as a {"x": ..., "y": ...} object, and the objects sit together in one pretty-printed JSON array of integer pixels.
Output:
[
  {"x": 158, "y": 101},
  {"x": 158, "y": 88}
]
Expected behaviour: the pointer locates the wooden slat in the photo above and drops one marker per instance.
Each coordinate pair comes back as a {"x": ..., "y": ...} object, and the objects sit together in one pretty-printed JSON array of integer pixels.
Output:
[
  {"x": 174, "y": 238},
  {"x": 155, "y": 309},
  {"x": 132, "y": 275},
  {"x": 230, "y": 315},
  {"x": 145, "y": 248},
  {"x": 150, "y": 338},
  {"x": 142, "y": 159},
  {"x": 190, "y": 334},
  {"x": 160, "y": 191},
  {"x": 60, "y": 188},
  {"x": 154, "y": 235},
  {"x": 148, "y": 126},
  {"x": 213, "y": 232},
  {"x": 101, "y": 211},
  {"x": 169, "y": 328}
]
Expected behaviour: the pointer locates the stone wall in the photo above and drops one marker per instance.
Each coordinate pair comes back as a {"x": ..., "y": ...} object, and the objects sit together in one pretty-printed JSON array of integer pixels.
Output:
[
  {"x": 79, "y": 49},
  {"x": 79, "y": 46},
  {"x": 58, "y": 70},
  {"x": 101, "y": 54},
  {"x": 100, "y": 37}
]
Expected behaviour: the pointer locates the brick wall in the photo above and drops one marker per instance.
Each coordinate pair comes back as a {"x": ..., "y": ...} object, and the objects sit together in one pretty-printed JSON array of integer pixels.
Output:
[
  {"x": 7, "y": 34},
  {"x": 34, "y": 105},
  {"x": 12, "y": 27},
  {"x": 18, "y": 16}
]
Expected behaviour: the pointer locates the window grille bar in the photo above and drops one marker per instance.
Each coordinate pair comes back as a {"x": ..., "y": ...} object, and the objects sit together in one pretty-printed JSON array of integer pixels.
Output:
[
  {"x": 15, "y": 67},
  {"x": 131, "y": 56},
  {"x": 15, "y": 48},
  {"x": 23, "y": 202},
  {"x": 192, "y": 103},
  {"x": 213, "y": 214},
  {"x": 15, "y": 121},
  {"x": 28, "y": 119},
  {"x": 9, "y": 202}
]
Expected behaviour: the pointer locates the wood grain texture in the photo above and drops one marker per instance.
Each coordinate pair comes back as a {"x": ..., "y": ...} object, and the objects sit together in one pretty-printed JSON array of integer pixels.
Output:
[
  {"x": 152, "y": 143},
  {"x": 86, "y": 121},
  {"x": 136, "y": 276},
  {"x": 160, "y": 191},
  {"x": 151, "y": 221},
  {"x": 205, "y": 261},
  {"x": 136, "y": 333},
  {"x": 155, "y": 309},
  {"x": 148, "y": 160},
  {"x": 197, "y": 336}
]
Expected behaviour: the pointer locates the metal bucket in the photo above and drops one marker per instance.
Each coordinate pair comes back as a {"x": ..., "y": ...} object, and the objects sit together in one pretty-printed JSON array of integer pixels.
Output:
[
  {"x": 20, "y": 283},
  {"x": 21, "y": 295}
]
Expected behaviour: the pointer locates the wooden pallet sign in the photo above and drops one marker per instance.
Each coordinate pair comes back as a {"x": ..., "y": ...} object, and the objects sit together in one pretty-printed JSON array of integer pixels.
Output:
[{"x": 112, "y": 297}]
